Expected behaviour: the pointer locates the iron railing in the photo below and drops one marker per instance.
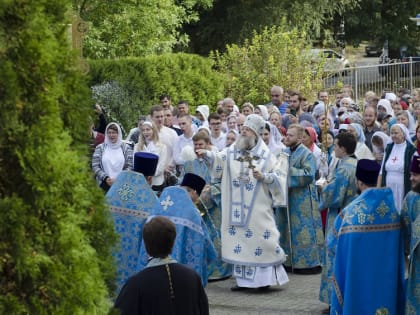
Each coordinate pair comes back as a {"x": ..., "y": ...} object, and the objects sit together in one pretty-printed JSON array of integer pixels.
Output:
[{"x": 377, "y": 78}]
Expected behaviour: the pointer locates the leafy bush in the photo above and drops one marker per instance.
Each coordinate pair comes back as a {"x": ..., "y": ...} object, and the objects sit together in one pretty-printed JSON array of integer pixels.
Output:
[
  {"x": 55, "y": 235},
  {"x": 129, "y": 87},
  {"x": 273, "y": 57}
]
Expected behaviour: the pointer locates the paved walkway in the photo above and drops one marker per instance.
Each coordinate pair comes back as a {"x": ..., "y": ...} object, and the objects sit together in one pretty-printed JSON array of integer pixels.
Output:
[{"x": 299, "y": 296}]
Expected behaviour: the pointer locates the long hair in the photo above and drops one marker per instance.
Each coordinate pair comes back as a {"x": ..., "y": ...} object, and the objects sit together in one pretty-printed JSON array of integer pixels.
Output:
[{"x": 142, "y": 141}]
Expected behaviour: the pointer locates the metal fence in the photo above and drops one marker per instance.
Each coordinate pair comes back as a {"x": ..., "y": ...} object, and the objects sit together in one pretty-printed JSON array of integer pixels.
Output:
[{"x": 376, "y": 78}]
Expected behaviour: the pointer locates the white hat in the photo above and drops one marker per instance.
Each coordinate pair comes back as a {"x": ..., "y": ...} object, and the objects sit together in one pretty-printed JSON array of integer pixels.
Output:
[
  {"x": 203, "y": 110},
  {"x": 256, "y": 123},
  {"x": 391, "y": 97}
]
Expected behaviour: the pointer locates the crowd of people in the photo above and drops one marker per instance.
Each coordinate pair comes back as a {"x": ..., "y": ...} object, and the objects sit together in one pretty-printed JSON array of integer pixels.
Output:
[{"x": 331, "y": 187}]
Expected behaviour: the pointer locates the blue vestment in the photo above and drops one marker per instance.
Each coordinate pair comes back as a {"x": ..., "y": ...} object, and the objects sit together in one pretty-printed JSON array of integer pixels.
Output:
[
  {"x": 306, "y": 226},
  {"x": 368, "y": 276},
  {"x": 212, "y": 216},
  {"x": 193, "y": 245},
  {"x": 410, "y": 219},
  {"x": 130, "y": 201},
  {"x": 335, "y": 196}
]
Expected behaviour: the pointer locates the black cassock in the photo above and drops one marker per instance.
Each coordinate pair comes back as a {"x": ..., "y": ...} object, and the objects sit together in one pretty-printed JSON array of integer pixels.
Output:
[{"x": 152, "y": 292}]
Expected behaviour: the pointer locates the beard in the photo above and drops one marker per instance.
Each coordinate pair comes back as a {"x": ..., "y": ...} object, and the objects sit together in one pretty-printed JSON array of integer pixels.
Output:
[{"x": 246, "y": 143}]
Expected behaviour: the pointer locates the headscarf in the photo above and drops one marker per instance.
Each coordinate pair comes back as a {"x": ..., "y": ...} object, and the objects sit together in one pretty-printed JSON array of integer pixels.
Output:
[
  {"x": 405, "y": 131},
  {"x": 359, "y": 131},
  {"x": 113, "y": 159},
  {"x": 385, "y": 139},
  {"x": 319, "y": 109},
  {"x": 203, "y": 110},
  {"x": 108, "y": 142},
  {"x": 387, "y": 105},
  {"x": 274, "y": 143},
  {"x": 312, "y": 133},
  {"x": 264, "y": 112}
]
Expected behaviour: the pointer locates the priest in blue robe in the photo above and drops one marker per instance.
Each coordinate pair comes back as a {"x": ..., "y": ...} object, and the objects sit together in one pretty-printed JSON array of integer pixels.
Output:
[
  {"x": 410, "y": 219},
  {"x": 335, "y": 195},
  {"x": 130, "y": 200},
  {"x": 193, "y": 245},
  {"x": 368, "y": 276},
  {"x": 300, "y": 225}
]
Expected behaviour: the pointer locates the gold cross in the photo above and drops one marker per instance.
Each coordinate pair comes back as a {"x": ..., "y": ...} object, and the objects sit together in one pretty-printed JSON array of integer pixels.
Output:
[{"x": 248, "y": 158}]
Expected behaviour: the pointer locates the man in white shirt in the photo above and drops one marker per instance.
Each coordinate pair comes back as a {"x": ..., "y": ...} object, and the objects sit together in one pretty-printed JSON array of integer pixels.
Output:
[
  {"x": 184, "y": 140},
  {"x": 167, "y": 135},
  {"x": 218, "y": 138}
]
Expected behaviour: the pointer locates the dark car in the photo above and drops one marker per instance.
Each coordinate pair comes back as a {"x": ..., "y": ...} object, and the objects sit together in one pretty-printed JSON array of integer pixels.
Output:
[{"x": 372, "y": 50}]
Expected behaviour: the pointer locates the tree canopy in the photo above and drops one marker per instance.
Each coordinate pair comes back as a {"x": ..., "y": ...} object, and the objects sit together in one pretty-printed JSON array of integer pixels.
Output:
[
  {"x": 232, "y": 21},
  {"x": 126, "y": 28}
]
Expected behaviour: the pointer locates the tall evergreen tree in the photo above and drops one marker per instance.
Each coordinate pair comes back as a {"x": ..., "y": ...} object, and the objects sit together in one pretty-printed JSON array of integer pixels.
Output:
[{"x": 55, "y": 233}]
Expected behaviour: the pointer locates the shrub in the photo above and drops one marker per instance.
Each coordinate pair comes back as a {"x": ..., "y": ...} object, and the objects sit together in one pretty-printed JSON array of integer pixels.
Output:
[
  {"x": 55, "y": 235},
  {"x": 273, "y": 57},
  {"x": 139, "y": 82}
]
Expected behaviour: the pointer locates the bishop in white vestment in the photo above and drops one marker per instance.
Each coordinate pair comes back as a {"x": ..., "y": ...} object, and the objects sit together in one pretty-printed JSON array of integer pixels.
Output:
[{"x": 253, "y": 182}]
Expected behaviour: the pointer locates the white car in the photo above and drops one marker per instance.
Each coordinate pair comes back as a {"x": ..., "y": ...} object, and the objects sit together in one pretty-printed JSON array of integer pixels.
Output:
[{"x": 334, "y": 61}]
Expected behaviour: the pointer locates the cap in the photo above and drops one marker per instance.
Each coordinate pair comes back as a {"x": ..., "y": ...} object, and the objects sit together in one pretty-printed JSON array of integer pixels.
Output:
[
  {"x": 194, "y": 182},
  {"x": 415, "y": 164},
  {"x": 145, "y": 163},
  {"x": 367, "y": 171}
]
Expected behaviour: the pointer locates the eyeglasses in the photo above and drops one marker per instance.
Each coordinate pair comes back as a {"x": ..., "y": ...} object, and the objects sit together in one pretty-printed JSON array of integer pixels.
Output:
[{"x": 275, "y": 95}]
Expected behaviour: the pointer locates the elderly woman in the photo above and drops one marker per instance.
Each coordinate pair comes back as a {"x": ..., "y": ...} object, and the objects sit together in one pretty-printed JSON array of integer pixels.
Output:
[
  {"x": 396, "y": 164},
  {"x": 362, "y": 150},
  {"x": 111, "y": 157}
]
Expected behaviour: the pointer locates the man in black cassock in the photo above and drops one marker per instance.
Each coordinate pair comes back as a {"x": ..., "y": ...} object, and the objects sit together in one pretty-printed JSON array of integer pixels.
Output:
[{"x": 164, "y": 286}]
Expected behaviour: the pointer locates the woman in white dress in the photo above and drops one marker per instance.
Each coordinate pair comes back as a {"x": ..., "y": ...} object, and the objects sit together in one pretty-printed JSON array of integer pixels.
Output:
[
  {"x": 149, "y": 142},
  {"x": 111, "y": 157},
  {"x": 396, "y": 164}
]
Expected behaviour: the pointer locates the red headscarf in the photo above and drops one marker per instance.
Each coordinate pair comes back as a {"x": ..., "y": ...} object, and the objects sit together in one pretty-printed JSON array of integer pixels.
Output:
[{"x": 312, "y": 133}]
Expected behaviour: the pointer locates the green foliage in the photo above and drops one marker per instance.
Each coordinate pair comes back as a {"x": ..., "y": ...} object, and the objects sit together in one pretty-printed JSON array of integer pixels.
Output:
[
  {"x": 55, "y": 236},
  {"x": 128, "y": 87},
  {"x": 273, "y": 57},
  {"x": 127, "y": 28},
  {"x": 232, "y": 21},
  {"x": 382, "y": 20}
]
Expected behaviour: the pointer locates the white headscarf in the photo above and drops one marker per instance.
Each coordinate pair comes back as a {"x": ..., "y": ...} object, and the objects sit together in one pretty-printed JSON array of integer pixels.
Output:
[
  {"x": 385, "y": 139},
  {"x": 113, "y": 159},
  {"x": 264, "y": 112},
  {"x": 404, "y": 130},
  {"x": 387, "y": 105},
  {"x": 108, "y": 142}
]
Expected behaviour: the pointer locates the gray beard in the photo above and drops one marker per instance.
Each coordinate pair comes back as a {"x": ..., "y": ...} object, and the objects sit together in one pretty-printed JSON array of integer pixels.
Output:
[{"x": 246, "y": 143}]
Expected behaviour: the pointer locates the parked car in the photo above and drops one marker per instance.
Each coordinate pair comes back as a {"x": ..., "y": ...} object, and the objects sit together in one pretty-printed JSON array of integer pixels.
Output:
[
  {"x": 334, "y": 61},
  {"x": 372, "y": 50}
]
